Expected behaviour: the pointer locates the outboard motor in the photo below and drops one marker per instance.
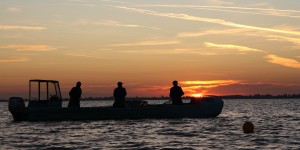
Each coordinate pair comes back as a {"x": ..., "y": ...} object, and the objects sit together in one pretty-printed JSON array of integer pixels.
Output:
[{"x": 16, "y": 106}]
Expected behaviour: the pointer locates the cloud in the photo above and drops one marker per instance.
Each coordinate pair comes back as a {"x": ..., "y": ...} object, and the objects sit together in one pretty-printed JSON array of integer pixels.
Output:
[
  {"x": 239, "y": 31},
  {"x": 234, "y": 87},
  {"x": 7, "y": 27},
  {"x": 113, "y": 1},
  {"x": 112, "y": 23},
  {"x": 14, "y": 59},
  {"x": 233, "y": 47},
  {"x": 291, "y": 63},
  {"x": 79, "y": 1},
  {"x": 220, "y": 2},
  {"x": 295, "y": 41},
  {"x": 29, "y": 47},
  {"x": 210, "y": 82},
  {"x": 177, "y": 51},
  {"x": 82, "y": 54},
  {"x": 211, "y": 32},
  {"x": 199, "y": 86},
  {"x": 249, "y": 10},
  {"x": 209, "y": 20},
  {"x": 268, "y": 13},
  {"x": 13, "y": 10},
  {"x": 147, "y": 43},
  {"x": 255, "y": 88}
]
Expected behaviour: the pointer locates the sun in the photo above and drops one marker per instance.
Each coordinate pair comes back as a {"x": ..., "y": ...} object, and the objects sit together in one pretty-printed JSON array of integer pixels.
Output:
[{"x": 198, "y": 95}]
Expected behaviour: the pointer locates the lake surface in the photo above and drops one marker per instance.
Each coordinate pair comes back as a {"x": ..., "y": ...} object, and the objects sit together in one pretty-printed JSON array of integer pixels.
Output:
[{"x": 276, "y": 121}]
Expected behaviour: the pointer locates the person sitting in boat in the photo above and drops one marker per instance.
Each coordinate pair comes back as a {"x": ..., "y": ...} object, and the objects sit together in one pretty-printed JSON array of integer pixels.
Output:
[
  {"x": 119, "y": 94},
  {"x": 75, "y": 95},
  {"x": 176, "y": 93}
]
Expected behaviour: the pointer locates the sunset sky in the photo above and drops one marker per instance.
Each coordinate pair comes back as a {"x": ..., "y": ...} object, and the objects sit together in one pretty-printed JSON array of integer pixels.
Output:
[{"x": 215, "y": 47}]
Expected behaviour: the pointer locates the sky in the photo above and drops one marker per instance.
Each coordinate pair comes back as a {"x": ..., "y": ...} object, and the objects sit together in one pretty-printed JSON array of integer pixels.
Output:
[{"x": 212, "y": 47}]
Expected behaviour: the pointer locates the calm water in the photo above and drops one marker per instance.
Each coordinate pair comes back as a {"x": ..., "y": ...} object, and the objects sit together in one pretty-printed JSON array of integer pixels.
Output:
[{"x": 277, "y": 126}]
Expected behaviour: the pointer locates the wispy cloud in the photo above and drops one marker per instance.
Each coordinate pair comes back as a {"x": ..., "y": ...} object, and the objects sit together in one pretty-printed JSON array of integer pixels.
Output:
[
  {"x": 295, "y": 41},
  {"x": 211, "y": 32},
  {"x": 78, "y": 0},
  {"x": 113, "y": 1},
  {"x": 147, "y": 43},
  {"x": 239, "y": 31},
  {"x": 14, "y": 59},
  {"x": 177, "y": 51},
  {"x": 82, "y": 54},
  {"x": 255, "y": 88},
  {"x": 199, "y": 86},
  {"x": 250, "y": 10},
  {"x": 233, "y": 47},
  {"x": 261, "y": 5},
  {"x": 29, "y": 47},
  {"x": 210, "y": 82},
  {"x": 13, "y": 10},
  {"x": 112, "y": 23},
  {"x": 13, "y": 27},
  {"x": 220, "y": 2},
  {"x": 209, "y": 20},
  {"x": 291, "y": 63},
  {"x": 246, "y": 32},
  {"x": 267, "y": 13}
]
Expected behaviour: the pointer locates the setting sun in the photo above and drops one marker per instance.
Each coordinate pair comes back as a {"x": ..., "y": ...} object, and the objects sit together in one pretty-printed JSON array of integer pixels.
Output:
[{"x": 197, "y": 95}]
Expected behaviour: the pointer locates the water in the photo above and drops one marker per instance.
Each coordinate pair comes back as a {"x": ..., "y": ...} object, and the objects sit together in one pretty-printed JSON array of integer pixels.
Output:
[{"x": 277, "y": 126}]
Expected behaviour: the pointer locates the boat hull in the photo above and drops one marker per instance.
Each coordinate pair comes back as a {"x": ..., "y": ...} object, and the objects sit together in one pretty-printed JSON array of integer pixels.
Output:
[{"x": 162, "y": 111}]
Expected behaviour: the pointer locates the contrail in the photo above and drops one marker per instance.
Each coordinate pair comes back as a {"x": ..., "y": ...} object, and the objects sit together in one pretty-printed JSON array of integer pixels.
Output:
[
  {"x": 209, "y": 20},
  {"x": 225, "y": 7},
  {"x": 258, "y": 11}
]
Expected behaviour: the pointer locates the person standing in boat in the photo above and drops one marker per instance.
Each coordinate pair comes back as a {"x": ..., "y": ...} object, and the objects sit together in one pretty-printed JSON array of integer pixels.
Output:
[
  {"x": 176, "y": 93},
  {"x": 119, "y": 94},
  {"x": 75, "y": 95}
]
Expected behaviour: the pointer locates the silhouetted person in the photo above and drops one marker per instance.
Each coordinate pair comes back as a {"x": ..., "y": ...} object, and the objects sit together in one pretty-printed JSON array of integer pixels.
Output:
[
  {"x": 119, "y": 94},
  {"x": 176, "y": 93},
  {"x": 75, "y": 95}
]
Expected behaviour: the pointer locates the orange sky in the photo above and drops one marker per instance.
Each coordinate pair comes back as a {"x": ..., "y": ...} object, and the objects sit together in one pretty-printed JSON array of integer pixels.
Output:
[{"x": 211, "y": 47}]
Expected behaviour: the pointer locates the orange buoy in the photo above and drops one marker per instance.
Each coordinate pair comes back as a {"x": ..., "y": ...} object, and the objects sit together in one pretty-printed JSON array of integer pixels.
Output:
[{"x": 248, "y": 127}]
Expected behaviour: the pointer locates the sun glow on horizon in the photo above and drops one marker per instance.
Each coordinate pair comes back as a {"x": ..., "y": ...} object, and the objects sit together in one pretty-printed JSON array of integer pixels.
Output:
[{"x": 197, "y": 95}]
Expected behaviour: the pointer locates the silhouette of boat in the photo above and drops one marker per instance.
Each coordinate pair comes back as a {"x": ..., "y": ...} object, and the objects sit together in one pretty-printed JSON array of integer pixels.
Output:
[{"x": 45, "y": 104}]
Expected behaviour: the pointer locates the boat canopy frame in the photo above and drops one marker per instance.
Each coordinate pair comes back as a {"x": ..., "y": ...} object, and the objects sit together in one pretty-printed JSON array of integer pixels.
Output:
[{"x": 55, "y": 83}]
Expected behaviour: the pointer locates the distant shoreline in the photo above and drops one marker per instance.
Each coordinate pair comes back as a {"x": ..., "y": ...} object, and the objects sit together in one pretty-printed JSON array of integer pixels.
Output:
[{"x": 256, "y": 96}]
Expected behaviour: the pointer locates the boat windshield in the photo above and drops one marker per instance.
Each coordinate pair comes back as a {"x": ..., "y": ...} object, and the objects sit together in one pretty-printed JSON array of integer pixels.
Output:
[{"x": 44, "y": 90}]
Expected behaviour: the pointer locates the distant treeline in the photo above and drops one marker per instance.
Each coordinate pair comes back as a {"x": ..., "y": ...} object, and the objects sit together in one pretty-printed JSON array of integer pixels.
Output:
[
  {"x": 255, "y": 96},
  {"x": 260, "y": 96}
]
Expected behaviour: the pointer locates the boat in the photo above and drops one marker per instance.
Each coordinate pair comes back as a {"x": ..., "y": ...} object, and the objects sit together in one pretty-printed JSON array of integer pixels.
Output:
[{"x": 45, "y": 104}]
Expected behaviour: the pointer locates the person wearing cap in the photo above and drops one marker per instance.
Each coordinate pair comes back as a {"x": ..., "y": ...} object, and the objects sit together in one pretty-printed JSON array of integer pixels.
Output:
[
  {"x": 75, "y": 95},
  {"x": 176, "y": 93},
  {"x": 119, "y": 94}
]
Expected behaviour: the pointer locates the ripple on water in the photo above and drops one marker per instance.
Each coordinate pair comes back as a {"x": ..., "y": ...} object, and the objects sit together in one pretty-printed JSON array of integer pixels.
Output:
[{"x": 277, "y": 126}]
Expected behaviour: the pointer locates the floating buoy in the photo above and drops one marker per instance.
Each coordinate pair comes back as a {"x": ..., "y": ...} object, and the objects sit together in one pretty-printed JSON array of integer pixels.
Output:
[{"x": 248, "y": 127}]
